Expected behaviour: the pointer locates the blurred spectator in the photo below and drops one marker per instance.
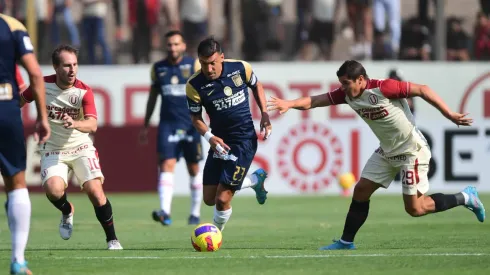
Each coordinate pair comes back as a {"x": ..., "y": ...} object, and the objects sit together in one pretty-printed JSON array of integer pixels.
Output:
[
  {"x": 93, "y": 19},
  {"x": 275, "y": 30},
  {"x": 170, "y": 10},
  {"x": 254, "y": 28},
  {"x": 360, "y": 18},
  {"x": 324, "y": 14},
  {"x": 116, "y": 4},
  {"x": 381, "y": 8},
  {"x": 143, "y": 19},
  {"x": 289, "y": 21},
  {"x": 43, "y": 16},
  {"x": 415, "y": 41},
  {"x": 457, "y": 41},
  {"x": 485, "y": 7},
  {"x": 194, "y": 15},
  {"x": 423, "y": 11},
  {"x": 482, "y": 37},
  {"x": 62, "y": 11}
]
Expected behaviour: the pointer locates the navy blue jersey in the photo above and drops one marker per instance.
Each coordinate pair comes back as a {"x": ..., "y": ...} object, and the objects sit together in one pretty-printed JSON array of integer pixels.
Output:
[
  {"x": 14, "y": 43},
  {"x": 170, "y": 81},
  {"x": 225, "y": 100}
]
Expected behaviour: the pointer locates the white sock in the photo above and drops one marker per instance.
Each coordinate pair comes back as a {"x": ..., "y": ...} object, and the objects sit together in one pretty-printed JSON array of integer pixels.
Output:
[
  {"x": 466, "y": 198},
  {"x": 249, "y": 181},
  {"x": 166, "y": 191},
  {"x": 221, "y": 218},
  {"x": 19, "y": 218},
  {"x": 196, "y": 195}
]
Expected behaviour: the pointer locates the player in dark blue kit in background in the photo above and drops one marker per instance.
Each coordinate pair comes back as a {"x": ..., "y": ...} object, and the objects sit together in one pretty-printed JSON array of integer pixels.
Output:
[
  {"x": 16, "y": 46},
  {"x": 221, "y": 87},
  {"x": 176, "y": 135}
]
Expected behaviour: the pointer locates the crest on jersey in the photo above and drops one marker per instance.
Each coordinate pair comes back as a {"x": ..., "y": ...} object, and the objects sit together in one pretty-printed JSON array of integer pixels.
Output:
[
  {"x": 185, "y": 71},
  {"x": 74, "y": 99},
  {"x": 373, "y": 99},
  {"x": 174, "y": 80},
  {"x": 228, "y": 91},
  {"x": 237, "y": 79}
]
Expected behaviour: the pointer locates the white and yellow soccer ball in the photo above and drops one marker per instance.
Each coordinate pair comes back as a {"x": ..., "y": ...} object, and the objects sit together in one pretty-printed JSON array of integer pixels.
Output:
[{"x": 206, "y": 237}]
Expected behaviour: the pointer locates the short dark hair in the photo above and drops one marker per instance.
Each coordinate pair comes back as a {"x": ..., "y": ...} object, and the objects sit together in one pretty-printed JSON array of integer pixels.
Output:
[
  {"x": 208, "y": 47},
  {"x": 173, "y": 33},
  {"x": 352, "y": 69},
  {"x": 55, "y": 56}
]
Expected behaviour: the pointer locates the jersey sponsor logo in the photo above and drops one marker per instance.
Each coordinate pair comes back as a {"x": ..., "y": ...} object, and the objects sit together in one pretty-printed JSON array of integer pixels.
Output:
[
  {"x": 228, "y": 91},
  {"x": 6, "y": 91},
  {"x": 373, "y": 99},
  {"x": 228, "y": 102},
  {"x": 372, "y": 113},
  {"x": 233, "y": 73},
  {"x": 28, "y": 44},
  {"x": 237, "y": 79},
  {"x": 67, "y": 152},
  {"x": 195, "y": 108}
]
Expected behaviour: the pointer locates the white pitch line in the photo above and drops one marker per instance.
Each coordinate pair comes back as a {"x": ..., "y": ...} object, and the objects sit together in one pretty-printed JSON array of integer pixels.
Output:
[{"x": 273, "y": 256}]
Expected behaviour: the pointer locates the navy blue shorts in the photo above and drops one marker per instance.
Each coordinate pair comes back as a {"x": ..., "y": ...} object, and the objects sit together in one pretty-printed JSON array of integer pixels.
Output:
[
  {"x": 173, "y": 143},
  {"x": 12, "y": 144},
  {"x": 228, "y": 172}
]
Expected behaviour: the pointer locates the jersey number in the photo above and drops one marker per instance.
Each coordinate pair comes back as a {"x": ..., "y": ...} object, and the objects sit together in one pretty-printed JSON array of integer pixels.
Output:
[
  {"x": 6, "y": 91},
  {"x": 93, "y": 164},
  {"x": 408, "y": 177}
]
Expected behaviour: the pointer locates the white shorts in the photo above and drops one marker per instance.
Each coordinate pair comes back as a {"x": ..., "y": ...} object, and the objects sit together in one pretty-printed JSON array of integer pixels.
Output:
[
  {"x": 83, "y": 161},
  {"x": 413, "y": 168}
]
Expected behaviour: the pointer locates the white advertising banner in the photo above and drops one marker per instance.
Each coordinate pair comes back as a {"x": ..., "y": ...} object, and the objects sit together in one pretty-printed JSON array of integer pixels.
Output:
[{"x": 309, "y": 149}]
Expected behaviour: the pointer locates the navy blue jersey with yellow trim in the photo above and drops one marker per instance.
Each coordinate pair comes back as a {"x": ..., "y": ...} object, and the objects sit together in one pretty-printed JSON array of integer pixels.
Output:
[
  {"x": 14, "y": 43},
  {"x": 225, "y": 100},
  {"x": 170, "y": 81}
]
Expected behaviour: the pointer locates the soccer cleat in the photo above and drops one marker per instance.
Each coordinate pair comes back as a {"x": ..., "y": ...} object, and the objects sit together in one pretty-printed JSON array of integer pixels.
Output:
[
  {"x": 474, "y": 203},
  {"x": 338, "y": 245},
  {"x": 66, "y": 224},
  {"x": 114, "y": 245},
  {"x": 260, "y": 192},
  {"x": 161, "y": 216},
  {"x": 19, "y": 269},
  {"x": 194, "y": 220}
]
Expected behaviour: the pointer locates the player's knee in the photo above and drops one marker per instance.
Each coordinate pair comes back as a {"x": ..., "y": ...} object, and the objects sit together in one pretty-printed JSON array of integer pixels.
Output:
[
  {"x": 222, "y": 202},
  {"x": 54, "y": 188},
  {"x": 210, "y": 201},
  {"x": 415, "y": 210},
  {"x": 94, "y": 191},
  {"x": 362, "y": 191}
]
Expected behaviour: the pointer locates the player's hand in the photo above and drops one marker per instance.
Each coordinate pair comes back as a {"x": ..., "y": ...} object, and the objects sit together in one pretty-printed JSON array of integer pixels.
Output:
[
  {"x": 218, "y": 145},
  {"x": 68, "y": 121},
  {"x": 460, "y": 119},
  {"x": 275, "y": 103},
  {"x": 43, "y": 131},
  {"x": 265, "y": 126},
  {"x": 143, "y": 136}
]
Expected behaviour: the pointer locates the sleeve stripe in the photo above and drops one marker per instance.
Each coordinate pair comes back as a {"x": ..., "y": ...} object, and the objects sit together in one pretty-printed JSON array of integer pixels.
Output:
[
  {"x": 25, "y": 99},
  {"x": 331, "y": 98},
  {"x": 408, "y": 88}
]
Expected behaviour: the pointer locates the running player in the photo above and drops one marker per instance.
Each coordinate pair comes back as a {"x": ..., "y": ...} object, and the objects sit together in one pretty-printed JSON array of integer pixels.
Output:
[
  {"x": 176, "y": 135},
  {"x": 221, "y": 87},
  {"x": 17, "y": 46},
  {"x": 382, "y": 104},
  {"x": 72, "y": 116}
]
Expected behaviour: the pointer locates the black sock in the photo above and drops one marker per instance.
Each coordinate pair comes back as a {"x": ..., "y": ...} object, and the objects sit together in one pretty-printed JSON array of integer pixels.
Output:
[
  {"x": 444, "y": 202},
  {"x": 62, "y": 204},
  {"x": 358, "y": 213},
  {"x": 104, "y": 215}
]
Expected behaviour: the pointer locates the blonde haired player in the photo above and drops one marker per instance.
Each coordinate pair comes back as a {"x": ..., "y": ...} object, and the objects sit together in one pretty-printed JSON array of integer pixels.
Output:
[
  {"x": 72, "y": 116},
  {"x": 383, "y": 106}
]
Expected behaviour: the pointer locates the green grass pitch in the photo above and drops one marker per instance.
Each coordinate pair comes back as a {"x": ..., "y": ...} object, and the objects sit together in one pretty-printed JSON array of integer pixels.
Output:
[{"x": 280, "y": 237}]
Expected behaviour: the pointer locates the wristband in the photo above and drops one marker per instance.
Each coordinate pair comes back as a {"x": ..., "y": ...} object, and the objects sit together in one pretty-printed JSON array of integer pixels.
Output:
[{"x": 208, "y": 135}]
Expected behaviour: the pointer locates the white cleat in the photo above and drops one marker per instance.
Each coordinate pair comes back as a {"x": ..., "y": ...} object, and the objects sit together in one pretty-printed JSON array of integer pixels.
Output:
[
  {"x": 114, "y": 245},
  {"x": 66, "y": 224}
]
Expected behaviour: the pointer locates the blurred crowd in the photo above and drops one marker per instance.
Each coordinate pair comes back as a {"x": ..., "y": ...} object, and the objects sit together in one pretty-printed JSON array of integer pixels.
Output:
[{"x": 131, "y": 31}]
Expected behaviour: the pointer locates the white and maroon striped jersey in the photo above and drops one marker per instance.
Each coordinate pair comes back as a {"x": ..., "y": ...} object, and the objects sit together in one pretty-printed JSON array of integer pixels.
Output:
[
  {"x": 77, "y": 102},
  {"x": 383, "y": 106}
]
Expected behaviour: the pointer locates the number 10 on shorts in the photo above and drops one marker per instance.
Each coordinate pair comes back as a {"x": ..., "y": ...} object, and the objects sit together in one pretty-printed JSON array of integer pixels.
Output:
[{"x": 93, "y": 164}]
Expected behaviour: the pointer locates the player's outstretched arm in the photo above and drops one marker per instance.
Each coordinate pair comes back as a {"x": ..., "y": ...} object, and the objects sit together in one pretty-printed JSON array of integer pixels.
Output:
[
  {"x": 435, "y": 100},
  {"x": 265, "y": 123},
  {"x": 303, "y": 103}
]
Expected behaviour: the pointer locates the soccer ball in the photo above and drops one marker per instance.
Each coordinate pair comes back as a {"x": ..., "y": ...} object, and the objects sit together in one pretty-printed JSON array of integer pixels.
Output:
[
  {"x": 206, "y": 237},
  {"x": 346, "y": 181}
]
